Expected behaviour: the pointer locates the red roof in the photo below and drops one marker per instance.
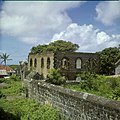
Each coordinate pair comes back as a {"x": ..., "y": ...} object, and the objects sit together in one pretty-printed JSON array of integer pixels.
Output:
[{"x": 7, "y": 68}]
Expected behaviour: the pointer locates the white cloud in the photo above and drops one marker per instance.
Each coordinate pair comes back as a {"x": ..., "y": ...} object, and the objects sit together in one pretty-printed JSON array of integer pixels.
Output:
[
  {"x": 108, "y": 12},
  {"x": 102, "y": 37},
  {"x": 34, "y": 19},
  {"x": 88, "y": 38}
]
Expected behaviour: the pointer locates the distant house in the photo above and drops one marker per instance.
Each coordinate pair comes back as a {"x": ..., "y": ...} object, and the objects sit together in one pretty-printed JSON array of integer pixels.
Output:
[
  {"x": 6, "y": 71},
  {"x": 3, "y": 73},
  {"x": 117, "y": 67}
]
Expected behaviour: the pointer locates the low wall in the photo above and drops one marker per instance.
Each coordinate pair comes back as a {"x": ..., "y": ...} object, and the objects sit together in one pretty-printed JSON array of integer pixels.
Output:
[{"x": 74, "y": 105}]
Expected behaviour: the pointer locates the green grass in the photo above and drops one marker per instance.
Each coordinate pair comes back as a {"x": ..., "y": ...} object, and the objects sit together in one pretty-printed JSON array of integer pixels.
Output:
[
  {"x": 28, "y": 109},
  {"x": 13, "y": 88},
  {"x": 24, "y": 108},
  {"x": 108, "y": 87}
]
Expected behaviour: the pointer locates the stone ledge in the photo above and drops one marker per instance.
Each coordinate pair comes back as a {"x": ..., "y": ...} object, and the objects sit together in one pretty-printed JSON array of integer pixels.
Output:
[{"x": 107, "y": 103}]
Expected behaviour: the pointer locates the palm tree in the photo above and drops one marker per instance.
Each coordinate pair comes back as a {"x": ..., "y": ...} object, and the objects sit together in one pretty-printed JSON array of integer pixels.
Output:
[{"x": 4, "y": 57}]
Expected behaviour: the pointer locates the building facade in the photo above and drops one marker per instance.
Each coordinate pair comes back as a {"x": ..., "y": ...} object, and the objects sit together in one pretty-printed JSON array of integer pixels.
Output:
[
  {"x": 117, "y": 68},
  {"x": 6, "y": 71},
  {"x": 70, "y": 63}
]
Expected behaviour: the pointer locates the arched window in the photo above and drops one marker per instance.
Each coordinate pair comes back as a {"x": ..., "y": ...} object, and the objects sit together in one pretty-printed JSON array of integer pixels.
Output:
[
  {"x": 31, "y": 62},
  {"x": 65, "y": 63},
  {"x": 42, "y": 63},
  {"x": 92, "y": 63},
  {"x": 48, "y": 63},
  {"x": 78, "y": 63},
  {"x": 35, "y": 62}
]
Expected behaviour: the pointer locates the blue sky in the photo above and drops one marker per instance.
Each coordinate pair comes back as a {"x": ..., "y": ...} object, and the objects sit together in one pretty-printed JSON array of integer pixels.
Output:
[{"x": 93, "y": 25}]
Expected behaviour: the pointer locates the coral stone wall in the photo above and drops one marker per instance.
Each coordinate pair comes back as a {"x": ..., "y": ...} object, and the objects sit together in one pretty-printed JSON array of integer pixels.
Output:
[
  {"x": 42, "y": 70},
  {"x": 73, "y": 105},
  {"x": 117, "y": 70},
  {"x": 89, "y": 62}
]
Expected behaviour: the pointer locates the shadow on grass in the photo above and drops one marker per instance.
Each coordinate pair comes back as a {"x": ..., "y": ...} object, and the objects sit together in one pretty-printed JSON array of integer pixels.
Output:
[{"x": 7, "y": 116}]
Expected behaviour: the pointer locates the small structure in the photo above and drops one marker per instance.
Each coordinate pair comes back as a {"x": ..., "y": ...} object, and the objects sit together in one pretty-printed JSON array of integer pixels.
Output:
[
  {"x": 3, "y": 73},
  {"x": 117, "y": 67},
  {"x": 34, "y": 75},
  {"x": 6, "y": 71}
]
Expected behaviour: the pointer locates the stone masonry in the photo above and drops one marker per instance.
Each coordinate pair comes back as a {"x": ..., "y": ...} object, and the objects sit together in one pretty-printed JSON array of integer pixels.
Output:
[
  {"x": 70, "y": 63},
  {"x": 117, "y": 68},
  {"x": 73, "y": 105}
]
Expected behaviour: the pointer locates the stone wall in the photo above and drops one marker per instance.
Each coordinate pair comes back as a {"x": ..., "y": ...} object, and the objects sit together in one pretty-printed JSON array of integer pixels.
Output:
[
  {"x": 89, "y": 62},
  {"x": 117, "y": 70},
  {"x": 117, "y": 67},
  {"x": 73, "y": 105},
  {"x": 41, "y": 70}
]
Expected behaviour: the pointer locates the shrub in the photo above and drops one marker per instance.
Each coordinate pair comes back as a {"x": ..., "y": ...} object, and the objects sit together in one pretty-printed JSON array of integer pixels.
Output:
[
  {"x": 99, "y": 84},
  {"x": 15, "y": 78},
  {"x": 13, "y": 88},
  {"x": 87, "y": 75},
  {"x": 23, "y": 108},
  {"x": 1, "y": 94},
  {"x": 116, "y": 93},
  {"x": 55, "y": 77},
  {"x": 27, "y": 109},
  {"x": 91, "y": 81},
  {"x": 7, "y": 116}
]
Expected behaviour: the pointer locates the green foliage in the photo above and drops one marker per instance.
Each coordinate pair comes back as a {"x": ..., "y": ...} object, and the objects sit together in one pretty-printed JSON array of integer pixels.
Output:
[
  {"x": 9, "y": 80},
  {"x": 98, "y": 84},
  {"x": 7, "y": 116},
  {"x": 91, "y": 81},
  {"x": 58, "y": 45},
  {"x": 28, "y": 109},
  {"x": 2, "y": 95},
  {"x": 13, "y": 87},
  {"x": 116, "y": 93},
  {"x": 55, "y": 77},
  {"x": 2, "y": 80},
  {"x": 4, "y": 57},
  {"x": 108, "y": 58},
  {"x": 14, "y": 67},
  {"x": 19, "y": 108},
  {"x": 15, "y": 78}
]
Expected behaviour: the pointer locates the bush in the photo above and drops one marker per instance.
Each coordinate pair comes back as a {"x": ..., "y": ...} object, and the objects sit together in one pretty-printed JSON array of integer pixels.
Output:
[
  {"x": 12, "y": 88},
  {"x": 23, "y": 108},
  {"x": 7, "y": 116},
  {"x": 91, "y": 81},
  {"x": 1, "y": 94},
  {"x": 27, "y": 109},
  {"x": 98, "y": 84},
  {"x": 2, "y": 80},
  {"x": 55, "y": 77},
  {"x": 15, "y": 78}
]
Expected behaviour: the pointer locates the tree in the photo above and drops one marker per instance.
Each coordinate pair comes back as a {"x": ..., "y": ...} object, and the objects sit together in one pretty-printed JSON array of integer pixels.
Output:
[
  {"x": 55, "y": 77},
  {"x": 108, "y": 58},
  {"x": 55, "y": 46},
  {"x": 4, "y": 57}
]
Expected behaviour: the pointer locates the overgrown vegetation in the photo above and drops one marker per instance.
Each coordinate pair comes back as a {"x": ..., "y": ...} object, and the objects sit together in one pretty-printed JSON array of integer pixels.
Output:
[
  {"x": 55, "y": 77},
  {"x": 98, "y": 84},
  {"x": 27, "y": 109},
  {"x": 13, "y": 87},
  {"x": 19, "y": 108},
  {"x": 108, "y": 58},
  {"x": 55, "y": 46}
]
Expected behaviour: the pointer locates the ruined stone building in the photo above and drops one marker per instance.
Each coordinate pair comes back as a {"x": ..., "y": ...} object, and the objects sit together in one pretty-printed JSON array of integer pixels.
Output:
[
  {"x": 117, "y": 68},
  {"x": 70, "y": 63}
]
